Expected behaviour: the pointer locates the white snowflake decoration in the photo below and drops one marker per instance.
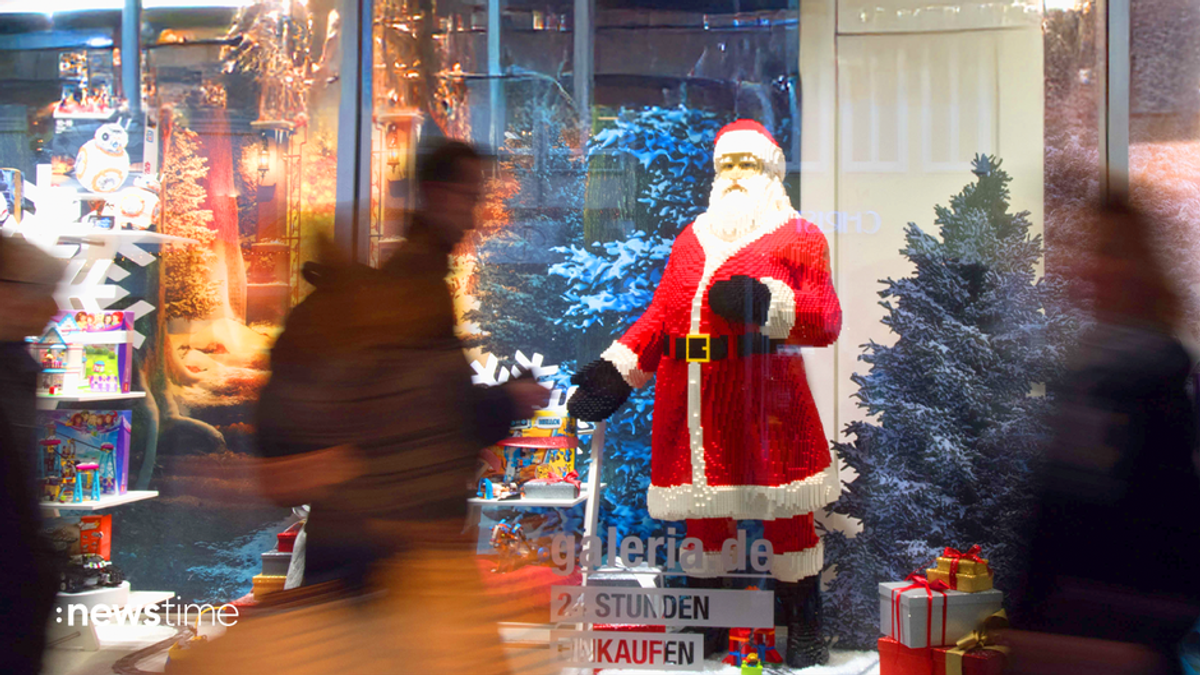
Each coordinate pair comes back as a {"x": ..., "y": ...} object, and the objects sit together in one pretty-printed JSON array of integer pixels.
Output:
[
  {"x": 490, "y": 374},
  {"x": 90, "y": 253}
]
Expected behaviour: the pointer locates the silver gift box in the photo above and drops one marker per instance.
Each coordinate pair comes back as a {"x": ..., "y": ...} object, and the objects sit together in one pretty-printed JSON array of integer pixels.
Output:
[{"x": 964, "y": 613}]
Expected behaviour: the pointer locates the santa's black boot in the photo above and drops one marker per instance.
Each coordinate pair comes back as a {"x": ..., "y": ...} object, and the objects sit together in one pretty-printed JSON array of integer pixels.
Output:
[{"x": 802, "y": 607}]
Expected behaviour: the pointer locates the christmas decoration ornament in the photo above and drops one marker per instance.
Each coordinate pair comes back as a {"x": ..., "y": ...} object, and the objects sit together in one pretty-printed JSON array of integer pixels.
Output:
[
  {"x": 736, "y": 431},
  {"x": 102, "y": 163}
]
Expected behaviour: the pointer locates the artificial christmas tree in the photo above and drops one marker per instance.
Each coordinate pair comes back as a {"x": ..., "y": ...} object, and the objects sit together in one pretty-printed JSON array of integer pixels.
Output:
[{"x": 955, "y": 426}]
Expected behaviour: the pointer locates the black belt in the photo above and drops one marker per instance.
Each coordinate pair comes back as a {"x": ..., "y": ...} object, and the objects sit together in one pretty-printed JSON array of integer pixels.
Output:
[{"x": 705, "y": 348}]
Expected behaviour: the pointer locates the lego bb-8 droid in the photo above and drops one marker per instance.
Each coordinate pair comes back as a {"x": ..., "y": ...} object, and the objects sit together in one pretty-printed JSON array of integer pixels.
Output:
[
  {"x": 136, "y": 207},
  {"x": 102, "y": 164}
]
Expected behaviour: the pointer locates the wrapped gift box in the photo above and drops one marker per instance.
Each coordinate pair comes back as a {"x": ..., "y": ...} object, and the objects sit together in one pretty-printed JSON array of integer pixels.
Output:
[
  {"x": 265, "y": 584},
  {"x": 967, "y": 583},
  {"x": 921, "y": 611},
  {"x": 276, "y": 563},
  {"x": 896, "y": 659},
  {"x": 965, "y": 565},
  {"x": 965, "y": 571},
  {"x": 974, "y": 662}
]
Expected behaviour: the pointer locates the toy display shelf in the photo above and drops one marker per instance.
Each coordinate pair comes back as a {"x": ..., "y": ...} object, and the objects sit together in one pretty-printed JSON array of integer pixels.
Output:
[
  {"x": 86, "y": 116},
  {"x": 526, "y": 503},
  {"x": 102, "y": 503},
  {"x": 96, "y": 236},
  {"x": 586, "y": 491},
  {"x": 50, "y": 402}
]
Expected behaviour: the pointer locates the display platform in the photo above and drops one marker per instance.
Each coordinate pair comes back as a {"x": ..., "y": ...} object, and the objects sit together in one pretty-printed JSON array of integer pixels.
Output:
[
  {"x": 103, "y": 503},
  {"x": 91, "y": 637},
  {"x": 527, "y": 503},
  {"x": 117, "y": 596},
  {"x": 92, "y": 398}
]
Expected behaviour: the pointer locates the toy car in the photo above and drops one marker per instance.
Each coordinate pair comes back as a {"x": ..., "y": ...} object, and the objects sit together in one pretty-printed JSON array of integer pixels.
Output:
[{"x": 87, "y": 572}]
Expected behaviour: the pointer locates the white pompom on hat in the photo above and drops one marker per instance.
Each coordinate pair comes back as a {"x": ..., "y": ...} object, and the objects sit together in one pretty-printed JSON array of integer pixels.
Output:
[{"x": 748, "y": 136}]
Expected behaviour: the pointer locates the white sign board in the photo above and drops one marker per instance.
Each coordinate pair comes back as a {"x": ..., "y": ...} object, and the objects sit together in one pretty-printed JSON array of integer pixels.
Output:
[
  {"x": 611, "y": 649},
  {"x": 662, "y": 606}
]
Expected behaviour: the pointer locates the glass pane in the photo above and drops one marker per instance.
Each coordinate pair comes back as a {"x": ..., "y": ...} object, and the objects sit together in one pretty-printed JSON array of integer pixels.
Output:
[
  {"x": 1074, "y": 77},
  {"x": 924, "y": 147},
  {"x": 191, "y": 200},
  {"x": 1163, "y": 131}
]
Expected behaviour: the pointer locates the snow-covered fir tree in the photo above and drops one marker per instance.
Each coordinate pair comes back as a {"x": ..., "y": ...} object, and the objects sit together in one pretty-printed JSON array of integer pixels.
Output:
[{"x": 956, "y": 423}]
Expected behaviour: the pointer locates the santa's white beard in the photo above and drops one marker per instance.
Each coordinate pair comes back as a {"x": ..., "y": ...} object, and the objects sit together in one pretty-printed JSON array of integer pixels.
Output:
[{"x": 732, "y": 212}]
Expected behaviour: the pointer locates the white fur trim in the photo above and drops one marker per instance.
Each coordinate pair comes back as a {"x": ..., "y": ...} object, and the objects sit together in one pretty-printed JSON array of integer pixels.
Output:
[
  {"x": 626, "y": 361},
  {"x": 716, "y": 252},
  {"x": 695, "y": 427},
  {"x": 833, "y": 477},
  {"x": 754, "y": 143},
  {"x": 799, "y": 565},
  {"x": 782, "y": 314},
  {"x": 743, "y": 502}
]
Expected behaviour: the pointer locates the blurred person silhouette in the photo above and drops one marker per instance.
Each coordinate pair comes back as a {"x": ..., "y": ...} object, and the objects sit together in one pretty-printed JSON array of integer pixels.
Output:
[
  {"x": 371, "y": 418},
  {"x": 370, "y": 383},
  {"x": 1113, "y": 570},
  {"x": 27, "y": 280}
]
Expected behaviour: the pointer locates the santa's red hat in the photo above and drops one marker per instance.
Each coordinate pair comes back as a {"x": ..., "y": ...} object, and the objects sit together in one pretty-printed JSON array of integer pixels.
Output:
[{"x": 748, "y": 136}]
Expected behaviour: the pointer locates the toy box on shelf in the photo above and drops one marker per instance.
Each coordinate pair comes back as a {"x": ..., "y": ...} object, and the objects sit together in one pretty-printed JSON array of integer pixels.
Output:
[
  {"x": 540, "y": 449},
  {"x": 83, "y": 454},
  {"x": 95, "y": 535},
  {"x": 87, "y": 85},
  {"x": 85, "y": 353}
]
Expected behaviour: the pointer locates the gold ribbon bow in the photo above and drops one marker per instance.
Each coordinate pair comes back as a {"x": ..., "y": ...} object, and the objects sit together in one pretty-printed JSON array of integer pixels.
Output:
[{"x": 983, "y": 637}]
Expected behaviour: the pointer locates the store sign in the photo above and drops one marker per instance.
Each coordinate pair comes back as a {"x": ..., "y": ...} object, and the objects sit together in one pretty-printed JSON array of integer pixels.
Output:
[
  {"x": 736, "y": 552},
  {"x": 601, "y": 649},
  {"x": 662, "y": 606}
]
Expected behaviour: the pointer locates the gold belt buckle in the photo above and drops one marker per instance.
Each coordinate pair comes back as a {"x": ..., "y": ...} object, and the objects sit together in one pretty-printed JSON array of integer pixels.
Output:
[{"x": 697, "y": 348}]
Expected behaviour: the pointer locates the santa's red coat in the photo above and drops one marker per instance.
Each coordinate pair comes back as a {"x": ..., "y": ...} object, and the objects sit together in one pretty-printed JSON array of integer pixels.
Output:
[{"x": 739, "y": 437}]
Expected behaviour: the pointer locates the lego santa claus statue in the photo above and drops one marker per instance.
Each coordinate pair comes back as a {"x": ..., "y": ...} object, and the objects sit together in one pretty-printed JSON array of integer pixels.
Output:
[{"x": 736, "y": 434}]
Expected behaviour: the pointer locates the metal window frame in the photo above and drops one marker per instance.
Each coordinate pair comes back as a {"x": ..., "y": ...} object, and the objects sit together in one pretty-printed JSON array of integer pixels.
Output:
[
  {"x": 1115, "y": 102},
  {"x": 352, "y": 221}
]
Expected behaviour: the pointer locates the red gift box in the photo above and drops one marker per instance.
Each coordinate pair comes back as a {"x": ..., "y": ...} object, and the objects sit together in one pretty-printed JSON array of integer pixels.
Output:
[
  {"x": 896, "y": 659},
  {"x": 974, "y": 662}
]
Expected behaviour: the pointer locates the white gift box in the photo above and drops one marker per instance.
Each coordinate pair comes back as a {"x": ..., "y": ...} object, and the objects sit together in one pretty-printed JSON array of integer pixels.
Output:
[{"x": 963, "y": 613}]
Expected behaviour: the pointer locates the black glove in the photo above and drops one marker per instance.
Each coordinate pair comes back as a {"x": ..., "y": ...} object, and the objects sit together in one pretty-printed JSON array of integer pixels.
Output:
[
  {"x": 601, "y": 391},
  {"x": 741, "y": 299}
]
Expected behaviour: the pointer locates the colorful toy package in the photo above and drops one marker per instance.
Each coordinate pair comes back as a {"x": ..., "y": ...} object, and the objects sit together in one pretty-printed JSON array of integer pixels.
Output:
[
  {"x": 86, "y": 353},
  {"x": 83, "y": 455},
  {"x": 540, "y": 447}
]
